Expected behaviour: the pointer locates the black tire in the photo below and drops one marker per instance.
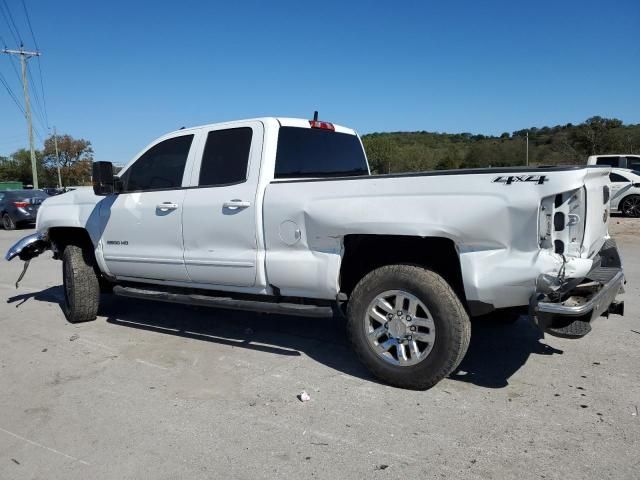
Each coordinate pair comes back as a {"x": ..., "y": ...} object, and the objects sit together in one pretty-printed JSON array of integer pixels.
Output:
[
  {"x": 452, "y": 325},
  {"x": 630, "y": 206},
  {"x": 7, "y": 222},
  {"x": 81, "y": 286}
]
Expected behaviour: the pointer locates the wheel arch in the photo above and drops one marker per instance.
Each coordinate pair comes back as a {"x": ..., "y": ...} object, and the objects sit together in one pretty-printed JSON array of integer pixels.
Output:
[
  {"x": 364, "y": 253},
  {"x": 61, "y": 237}
]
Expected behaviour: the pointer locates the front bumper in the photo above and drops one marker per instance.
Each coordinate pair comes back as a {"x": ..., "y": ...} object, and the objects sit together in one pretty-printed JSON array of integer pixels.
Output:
[
  {"x": 28, "y": 247},
  {"x": 568, "y": 309}
]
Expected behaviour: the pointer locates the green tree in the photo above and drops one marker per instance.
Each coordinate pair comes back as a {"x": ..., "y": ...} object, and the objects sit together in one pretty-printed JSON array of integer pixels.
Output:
[
  {"x": 548, "y": 145},
  {"x": 595, "y": 135},
  {"x": 379, "y": 153},
  {"x": 17, "y": 167},
  {"x": 76, "y": 156}
]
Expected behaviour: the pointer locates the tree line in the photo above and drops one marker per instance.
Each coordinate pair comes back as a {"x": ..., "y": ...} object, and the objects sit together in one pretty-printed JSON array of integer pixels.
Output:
[
  {"x": 75, "y": 158},
  {"x": 387, "y": 152},
  {"x": 559, "y": 145}
]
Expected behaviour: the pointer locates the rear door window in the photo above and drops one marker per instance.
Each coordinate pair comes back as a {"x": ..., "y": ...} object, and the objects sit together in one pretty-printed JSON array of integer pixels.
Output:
[
  {"x": 310, "y": 152},
  {"x": 226, "y": 157}
]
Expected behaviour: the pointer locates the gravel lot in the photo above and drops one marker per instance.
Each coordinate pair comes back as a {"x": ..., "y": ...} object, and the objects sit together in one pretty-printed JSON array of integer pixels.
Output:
[{"x": 162, "y": 391}]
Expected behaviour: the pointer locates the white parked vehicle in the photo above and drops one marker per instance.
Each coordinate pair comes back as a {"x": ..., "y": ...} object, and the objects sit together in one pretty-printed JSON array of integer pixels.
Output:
[
  {"x": 616, "y": 160},
  {"x": 625, "y": 191},
  {"x": 282, "y": 215}
]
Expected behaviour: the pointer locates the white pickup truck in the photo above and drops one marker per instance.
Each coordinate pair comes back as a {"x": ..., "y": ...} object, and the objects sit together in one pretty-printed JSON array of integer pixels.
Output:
[{"x": 282, "y": 215}]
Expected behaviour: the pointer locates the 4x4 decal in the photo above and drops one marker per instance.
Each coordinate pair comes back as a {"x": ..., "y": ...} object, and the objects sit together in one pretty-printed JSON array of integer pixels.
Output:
[{"x": 509, "y": 179}]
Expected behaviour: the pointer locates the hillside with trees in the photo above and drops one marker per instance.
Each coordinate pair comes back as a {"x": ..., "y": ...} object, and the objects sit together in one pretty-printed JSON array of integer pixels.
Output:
[{"x": 559, "y": 145}]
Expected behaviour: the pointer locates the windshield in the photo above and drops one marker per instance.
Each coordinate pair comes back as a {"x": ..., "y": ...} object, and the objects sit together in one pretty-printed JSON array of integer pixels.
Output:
[{"x": 310, "y": 152}]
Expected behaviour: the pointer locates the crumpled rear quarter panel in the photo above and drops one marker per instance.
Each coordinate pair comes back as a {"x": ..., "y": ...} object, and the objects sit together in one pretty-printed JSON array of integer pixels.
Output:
[{"x": 493, "y": 224}]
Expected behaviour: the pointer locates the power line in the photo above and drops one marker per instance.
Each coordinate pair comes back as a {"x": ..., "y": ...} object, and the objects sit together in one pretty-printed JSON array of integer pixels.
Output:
[
  {"x": 39, "y": 110},
  {"x": 11, "y": 94},
  {"x": 12, "y": 23},
  {"x": 8, "y": 25},
  {"x": 44, "y": 99},
  {"x": 13, "y": 65},
  {"x": 15, "y": 68},
  {"x": 26, "y": 14},
  {"x": 35, "y": 43},
  {"x": 41, "y": 107}
]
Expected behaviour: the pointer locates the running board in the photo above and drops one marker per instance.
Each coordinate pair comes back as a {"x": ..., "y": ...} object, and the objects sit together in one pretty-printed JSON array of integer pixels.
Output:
[{"x": 226, "y": 302}]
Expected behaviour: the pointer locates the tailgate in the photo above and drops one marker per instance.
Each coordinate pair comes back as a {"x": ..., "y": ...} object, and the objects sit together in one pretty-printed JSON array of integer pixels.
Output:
[{"x": 597, "y": 217}]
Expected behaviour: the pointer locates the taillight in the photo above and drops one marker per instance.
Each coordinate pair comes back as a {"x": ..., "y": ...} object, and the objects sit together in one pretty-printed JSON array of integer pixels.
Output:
[
  {"x": 322, "y": 125},
  {"x": 21, "y": 204},
  {"x": 561, "y": 222}
]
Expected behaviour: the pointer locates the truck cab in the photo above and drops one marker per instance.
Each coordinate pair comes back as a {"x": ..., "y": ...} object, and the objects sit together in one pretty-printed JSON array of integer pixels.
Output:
[
  {"x": 629, "y": 161},
  {"x": 189, "y": 206}
]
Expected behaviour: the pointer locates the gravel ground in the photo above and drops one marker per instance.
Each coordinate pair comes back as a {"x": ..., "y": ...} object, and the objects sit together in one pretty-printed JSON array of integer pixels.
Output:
[{"x": 163, "y": 391}]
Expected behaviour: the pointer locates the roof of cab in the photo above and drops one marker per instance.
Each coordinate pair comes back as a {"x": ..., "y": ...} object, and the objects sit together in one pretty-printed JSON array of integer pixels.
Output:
[
  {"x": 283, "y": 121},
  {"x": 614, "y": 155}
]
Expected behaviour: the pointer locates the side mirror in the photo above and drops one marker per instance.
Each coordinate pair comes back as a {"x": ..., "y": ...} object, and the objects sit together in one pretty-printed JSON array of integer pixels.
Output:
[
  {"x": 103, "y": 181},
  {"x": 636, "y": 185}
]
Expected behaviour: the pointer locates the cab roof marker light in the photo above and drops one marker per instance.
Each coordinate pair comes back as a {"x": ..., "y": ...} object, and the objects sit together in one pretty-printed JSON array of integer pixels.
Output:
[
  {"x": 322, "y": 125},
  {"x": 315, "y": 123}
]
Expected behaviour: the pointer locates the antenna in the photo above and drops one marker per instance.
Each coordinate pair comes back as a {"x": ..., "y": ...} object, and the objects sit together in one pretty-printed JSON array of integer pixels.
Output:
[{"x": 315, "y": 116}]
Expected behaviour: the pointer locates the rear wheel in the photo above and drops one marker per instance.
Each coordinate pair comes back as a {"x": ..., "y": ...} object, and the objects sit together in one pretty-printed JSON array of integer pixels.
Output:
[
  {"x": 630, "y": 206},
  {"x": 408, "y": 326},
  {"x": 7, "y": 222},
  {"x": 81, "y": 286}
]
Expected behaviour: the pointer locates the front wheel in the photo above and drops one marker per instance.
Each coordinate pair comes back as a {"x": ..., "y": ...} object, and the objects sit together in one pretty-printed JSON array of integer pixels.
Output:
[
  {"x": 81, "y": 286},
  {"x": 630, "y": 206},
  {"x": 408, "y": 326}
]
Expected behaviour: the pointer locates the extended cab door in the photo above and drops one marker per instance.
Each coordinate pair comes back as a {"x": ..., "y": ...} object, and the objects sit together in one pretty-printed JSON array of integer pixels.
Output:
[
  {"x": 220, "y": 213},
  {"x": 142, "y": 225}
]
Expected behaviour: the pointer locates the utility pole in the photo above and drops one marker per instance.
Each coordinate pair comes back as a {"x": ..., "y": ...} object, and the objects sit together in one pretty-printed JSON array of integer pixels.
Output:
[
  {"x": 55, "y": 141},
  {"x": 527, "y": 149},
  {"x": 24, "y": 56}
]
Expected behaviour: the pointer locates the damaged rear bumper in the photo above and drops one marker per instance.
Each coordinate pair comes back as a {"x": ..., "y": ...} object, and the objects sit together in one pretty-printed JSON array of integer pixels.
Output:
[
  {"x": 28, "y": 247},
  {"x": 568, "y": 308}
]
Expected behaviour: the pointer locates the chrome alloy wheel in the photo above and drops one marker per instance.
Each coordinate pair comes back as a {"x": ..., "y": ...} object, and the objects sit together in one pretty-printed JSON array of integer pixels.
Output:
[
  {"x": 399, "y": 328},
  {"x": 631, "y": 207}
]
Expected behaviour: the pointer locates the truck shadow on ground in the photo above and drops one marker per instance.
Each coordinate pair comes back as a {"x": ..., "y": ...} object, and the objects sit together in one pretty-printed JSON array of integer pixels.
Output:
[{"x": 496, "y": 351}]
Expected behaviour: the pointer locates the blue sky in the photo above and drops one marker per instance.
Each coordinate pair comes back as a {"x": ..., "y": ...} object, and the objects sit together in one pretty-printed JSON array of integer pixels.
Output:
[{"x": 122, "y": 73}]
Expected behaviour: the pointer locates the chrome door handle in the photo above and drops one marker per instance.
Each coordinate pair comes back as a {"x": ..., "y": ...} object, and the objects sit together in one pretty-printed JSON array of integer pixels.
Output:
[
  {"x": 236, "y": 204},
  {"x": 166, "y": 206}
]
